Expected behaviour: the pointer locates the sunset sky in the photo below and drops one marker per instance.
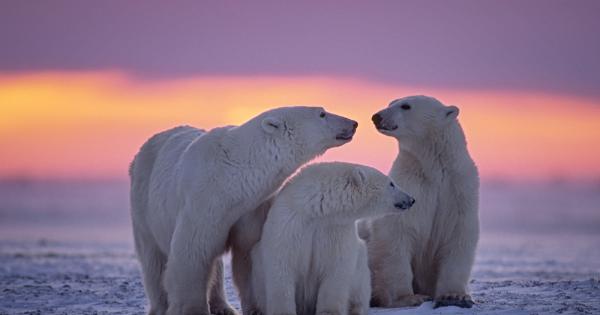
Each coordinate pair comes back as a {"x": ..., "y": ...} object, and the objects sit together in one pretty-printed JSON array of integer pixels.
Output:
[{"x": 83, "y": 84}]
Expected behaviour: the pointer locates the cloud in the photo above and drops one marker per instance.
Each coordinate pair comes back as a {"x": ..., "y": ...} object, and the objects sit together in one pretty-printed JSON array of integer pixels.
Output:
[{"x": 534, "y": 45}]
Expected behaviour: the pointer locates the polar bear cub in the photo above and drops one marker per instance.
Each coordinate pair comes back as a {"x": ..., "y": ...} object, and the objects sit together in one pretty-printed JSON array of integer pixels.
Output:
[
  {"x": 430, "y": 251},
  {"x": 188, "y": 187},
  {"x": 309, "y": 259}
]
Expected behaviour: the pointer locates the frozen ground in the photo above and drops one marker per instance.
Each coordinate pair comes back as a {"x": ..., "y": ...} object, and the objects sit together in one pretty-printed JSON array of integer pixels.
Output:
[
  {"x": 513, "y": 275},
  {"x": 539, "y": 253}
]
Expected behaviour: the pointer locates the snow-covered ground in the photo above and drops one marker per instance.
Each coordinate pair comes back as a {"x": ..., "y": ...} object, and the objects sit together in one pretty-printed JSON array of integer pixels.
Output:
[
  {"x": 67, "y": 250},
  {"x": 513, "y": 275}
]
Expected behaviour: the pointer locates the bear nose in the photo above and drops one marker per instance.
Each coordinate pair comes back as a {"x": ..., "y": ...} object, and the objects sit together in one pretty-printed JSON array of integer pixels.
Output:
[
  {"x": 354, "y": 125},
  {"x": 406, "y": 204},
  {"x": 376, "y": 119}
]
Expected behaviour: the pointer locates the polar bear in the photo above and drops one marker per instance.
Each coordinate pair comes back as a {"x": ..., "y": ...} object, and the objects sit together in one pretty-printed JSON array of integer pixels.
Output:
[
  {"x": 188, "y": 187},
  {"x": 309, "y": 259},
  {"x": 244, "y": 234},
  {"x": 430, "y": 251}
]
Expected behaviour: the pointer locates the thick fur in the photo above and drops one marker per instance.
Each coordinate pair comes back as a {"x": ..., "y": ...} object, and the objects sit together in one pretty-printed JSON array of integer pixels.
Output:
[
  {"x": 188, "y": 188},
  {"x": 245, "y": 233},
  {"x": 309, "y": 259},
  {"x": 428, "y": 253}
]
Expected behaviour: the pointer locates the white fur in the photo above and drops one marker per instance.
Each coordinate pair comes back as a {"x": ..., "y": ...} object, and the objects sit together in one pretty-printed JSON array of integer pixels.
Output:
[
  {"x": 244, "y": 234},
  {"x": 188, "y": 187},
  {"x": 430, "y": 251},
  {"x": 309, "y": 259}
]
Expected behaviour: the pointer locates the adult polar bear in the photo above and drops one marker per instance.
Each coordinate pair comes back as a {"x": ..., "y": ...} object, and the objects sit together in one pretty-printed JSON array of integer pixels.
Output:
[
  {"x": 430, "y": 251},
  {"x": 188, "y": 187}
]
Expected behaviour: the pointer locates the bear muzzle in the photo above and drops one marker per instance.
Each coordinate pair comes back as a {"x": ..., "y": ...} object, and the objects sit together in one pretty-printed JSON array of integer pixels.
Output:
[
  {"x": 405, "y": 204},
  {"x": 347, "y": 134},
  {"x": 380, "y": 123}
]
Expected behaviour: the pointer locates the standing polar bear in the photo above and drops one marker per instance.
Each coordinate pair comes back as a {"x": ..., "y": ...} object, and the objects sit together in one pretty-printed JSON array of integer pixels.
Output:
[
  {"x": 188, "y": 187},
  {"x": 309, "y": 259},
  {"x": 430, "y": 251}
]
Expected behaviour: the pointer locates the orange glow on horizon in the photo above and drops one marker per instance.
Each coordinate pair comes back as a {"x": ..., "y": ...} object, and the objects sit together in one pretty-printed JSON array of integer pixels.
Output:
[{"x": 90, "y": 124}]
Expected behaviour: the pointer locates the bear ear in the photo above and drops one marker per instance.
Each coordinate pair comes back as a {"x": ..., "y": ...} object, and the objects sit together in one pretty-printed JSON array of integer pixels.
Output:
[
  {"x": 271, "y": 124},
  {"x": 451, "y": 112},
  {"x": 358, "y": 177}
]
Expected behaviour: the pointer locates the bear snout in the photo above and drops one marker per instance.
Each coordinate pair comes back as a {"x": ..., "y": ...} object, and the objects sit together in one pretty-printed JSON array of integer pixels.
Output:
[
  {"x": 380, "y": 124},
  {"x": 353, "y": 128},
  {"x": 347, "y": 134},
  {"x": 405, "y": 204},
  {"x": 376, "y": 118}
]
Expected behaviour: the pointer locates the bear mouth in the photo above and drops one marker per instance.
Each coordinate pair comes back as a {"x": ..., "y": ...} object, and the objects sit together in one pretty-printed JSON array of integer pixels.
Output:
[
  {"x": 402, "y": 206},
  {"x": 386, "y": 128},
  {"x": 344, "y": 137}
]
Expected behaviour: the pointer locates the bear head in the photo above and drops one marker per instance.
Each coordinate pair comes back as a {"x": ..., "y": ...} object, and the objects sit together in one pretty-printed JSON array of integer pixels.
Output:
[
  {"x": 414, "y": 117},
  {"x": 309, "y": 131},
  {"x": 345, "y": 192}
]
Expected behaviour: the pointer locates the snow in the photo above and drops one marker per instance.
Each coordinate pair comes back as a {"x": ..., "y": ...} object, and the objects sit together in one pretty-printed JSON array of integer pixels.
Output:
[
  {"x": 67, "y": 249},
  {"x": 525, "y": 274}
]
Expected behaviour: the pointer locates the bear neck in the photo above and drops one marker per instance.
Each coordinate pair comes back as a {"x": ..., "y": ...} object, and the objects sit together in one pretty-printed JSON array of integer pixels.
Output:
[
  {"x": 439, "y": 153},
  {"x": 341, "y": 223},
  {"x": 263, "y": 154}
]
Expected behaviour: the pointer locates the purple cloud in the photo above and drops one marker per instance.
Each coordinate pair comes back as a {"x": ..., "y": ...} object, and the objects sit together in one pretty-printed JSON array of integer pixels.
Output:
[{"x": 539, "y": 45}]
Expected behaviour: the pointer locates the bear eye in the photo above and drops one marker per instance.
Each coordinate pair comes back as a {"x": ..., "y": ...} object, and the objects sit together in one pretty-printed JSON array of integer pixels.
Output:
[
  {"x": 405, "y": 106},
  {"x": 322, "y": 115},
  {"x": 392, "y": 184}
]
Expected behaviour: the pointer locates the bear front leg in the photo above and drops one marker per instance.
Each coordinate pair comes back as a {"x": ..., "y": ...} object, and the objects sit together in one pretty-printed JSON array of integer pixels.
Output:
[
  {"x": 451, "y": 288},
  {"x": 194, "y": 249},
  {"x": 243, "y": 236},
  {"x": 280, "y": 293},
  {"x": 334, "y": 292},
  {"x": 360, "y": 293},
  {"x": 455, "y": 264},
  {"x": 241, "y": 265},
  {"x": 392, "y": 279}
]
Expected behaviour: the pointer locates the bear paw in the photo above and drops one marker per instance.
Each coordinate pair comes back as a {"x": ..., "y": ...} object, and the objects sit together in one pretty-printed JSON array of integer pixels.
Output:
[
  {"x": 157, "y": 311},
  {"x": 454, "y": 299},
  {"x": 222, "y": 310},
  {"x": 255, "y": 311},
  {"x": 356, "y": 309},
  {"x": 410, "y": 300},
  {"x": 187, "y": 310}
]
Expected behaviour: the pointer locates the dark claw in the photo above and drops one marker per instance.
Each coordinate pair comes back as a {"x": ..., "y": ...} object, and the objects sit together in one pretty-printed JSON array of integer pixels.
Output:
[
  {"x": 464, "y": 303},
  {"x": 375, "y": 302},
  {"x": 224, "y": 311}
]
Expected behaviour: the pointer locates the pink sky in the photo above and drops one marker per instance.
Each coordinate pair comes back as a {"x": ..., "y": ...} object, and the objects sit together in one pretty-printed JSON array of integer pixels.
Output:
[
  {"x": 83, "y": 84},
  {"x": 90, "y": 124}
]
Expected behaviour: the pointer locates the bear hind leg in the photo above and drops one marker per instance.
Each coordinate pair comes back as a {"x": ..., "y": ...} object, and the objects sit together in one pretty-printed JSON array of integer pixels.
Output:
[
  {"x": 217, "y": 300},
  {"x": 153, "y": 263},
  {"x": 392, "y": 284}
]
